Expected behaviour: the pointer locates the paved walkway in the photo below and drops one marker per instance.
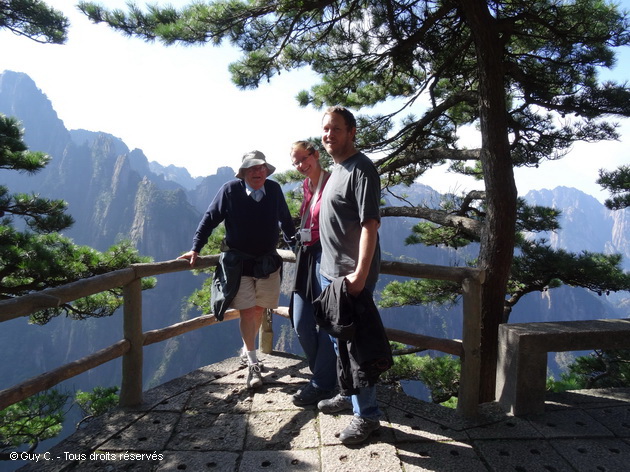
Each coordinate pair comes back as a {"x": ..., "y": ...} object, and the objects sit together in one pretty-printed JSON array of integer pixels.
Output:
[{"x": 208, "y": 421}]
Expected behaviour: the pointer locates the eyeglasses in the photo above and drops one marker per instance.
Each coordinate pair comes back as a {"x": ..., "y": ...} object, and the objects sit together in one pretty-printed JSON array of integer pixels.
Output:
[
  {"x": 258, "y": 168},
  {"x": 299, "y": 162}
]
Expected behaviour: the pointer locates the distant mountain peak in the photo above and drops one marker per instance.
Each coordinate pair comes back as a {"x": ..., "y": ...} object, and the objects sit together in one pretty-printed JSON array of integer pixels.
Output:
[{"x": 20, "y": 97}]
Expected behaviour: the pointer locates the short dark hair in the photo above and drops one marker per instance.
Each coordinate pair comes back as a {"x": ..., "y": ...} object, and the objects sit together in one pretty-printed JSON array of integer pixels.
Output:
[{"x": 347, "y": 115}]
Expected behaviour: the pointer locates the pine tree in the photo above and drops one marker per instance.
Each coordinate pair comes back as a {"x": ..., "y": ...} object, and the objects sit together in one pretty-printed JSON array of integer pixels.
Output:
[
  {"x": 32, "y": 420},
  {"x": 35, "y": 20},
  {"x": 525, "y": 72},
  {"x": 617, "y": 182}
]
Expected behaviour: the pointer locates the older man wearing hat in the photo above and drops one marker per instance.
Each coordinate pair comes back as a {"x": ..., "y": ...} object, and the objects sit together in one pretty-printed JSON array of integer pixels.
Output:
[{"x": 248, "y": 274}]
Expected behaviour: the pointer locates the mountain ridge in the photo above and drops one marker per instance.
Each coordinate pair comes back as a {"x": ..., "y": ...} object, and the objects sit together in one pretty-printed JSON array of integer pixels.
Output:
[{"x": 114, "y": 192}]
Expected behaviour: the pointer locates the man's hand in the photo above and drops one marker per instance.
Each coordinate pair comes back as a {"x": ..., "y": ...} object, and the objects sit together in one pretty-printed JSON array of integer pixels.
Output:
[
  {"x": 354, "y": 284},
  {"x": 191, "y": 256}
]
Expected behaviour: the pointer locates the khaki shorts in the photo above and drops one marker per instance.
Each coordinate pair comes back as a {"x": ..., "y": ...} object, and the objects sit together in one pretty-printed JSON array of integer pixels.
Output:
[{"x": 258, "y": 292}]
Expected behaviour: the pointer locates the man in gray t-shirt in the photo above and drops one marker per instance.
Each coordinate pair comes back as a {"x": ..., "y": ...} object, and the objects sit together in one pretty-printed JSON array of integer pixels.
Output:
[
  {"x": 348, "y": 223},
  {"x": 351, "y": 198}
]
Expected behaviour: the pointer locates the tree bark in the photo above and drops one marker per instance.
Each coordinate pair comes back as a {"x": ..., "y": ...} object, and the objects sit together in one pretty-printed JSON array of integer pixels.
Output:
[
  {"x": 497, "y": 240},
  {"x": 471, "y": 228}
]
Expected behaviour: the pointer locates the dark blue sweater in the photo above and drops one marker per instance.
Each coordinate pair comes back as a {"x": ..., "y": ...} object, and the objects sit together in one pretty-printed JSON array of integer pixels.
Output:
[{"x": 250, "y": 226}]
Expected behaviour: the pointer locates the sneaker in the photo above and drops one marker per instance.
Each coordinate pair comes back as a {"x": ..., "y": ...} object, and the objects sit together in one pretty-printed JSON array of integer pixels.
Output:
[
  {"x": 359, "y": 430},
  {"x": 334, "y": 405},
  {"x": 311, "y": 395},
  {"x": 244, "y": 361},
  {"x": 254, "y": 378}
]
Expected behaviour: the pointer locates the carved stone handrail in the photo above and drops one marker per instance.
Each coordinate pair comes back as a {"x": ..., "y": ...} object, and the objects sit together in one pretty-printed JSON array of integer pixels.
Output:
[{"x": 131, "y": 347}]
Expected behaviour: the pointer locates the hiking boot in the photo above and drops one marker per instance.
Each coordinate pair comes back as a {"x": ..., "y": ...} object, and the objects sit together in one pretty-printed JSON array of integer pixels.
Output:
[
  {"x": 254, "y": 378},
  {"x": 335, "y": 404},
  {"x": 311, "y": 395},
  {"x": 359, "y": 430}
]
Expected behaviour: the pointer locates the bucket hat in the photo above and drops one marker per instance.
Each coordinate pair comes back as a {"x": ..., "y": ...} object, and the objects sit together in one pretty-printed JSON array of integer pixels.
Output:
[{"x": 254, "y": 158}]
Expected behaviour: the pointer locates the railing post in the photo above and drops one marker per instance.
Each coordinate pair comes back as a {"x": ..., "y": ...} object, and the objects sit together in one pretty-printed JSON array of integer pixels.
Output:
[
  {"x": 266, "y": 332},
  {"x": 468, "y": 399},
  {"x": 131, "y": 385}
]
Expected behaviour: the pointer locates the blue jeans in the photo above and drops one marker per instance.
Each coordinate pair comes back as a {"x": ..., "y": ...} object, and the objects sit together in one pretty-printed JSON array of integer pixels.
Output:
[
  {"x": 316, "y": 343},
  {"x": 364, "y": 404}
]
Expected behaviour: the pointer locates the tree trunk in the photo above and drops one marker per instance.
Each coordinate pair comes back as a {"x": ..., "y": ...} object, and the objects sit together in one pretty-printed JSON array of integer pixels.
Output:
[{"x": 497, "y": 241}]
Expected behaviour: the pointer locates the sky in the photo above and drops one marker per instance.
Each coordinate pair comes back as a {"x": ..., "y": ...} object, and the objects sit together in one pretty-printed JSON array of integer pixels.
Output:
[{"x": 178, "y": 104}]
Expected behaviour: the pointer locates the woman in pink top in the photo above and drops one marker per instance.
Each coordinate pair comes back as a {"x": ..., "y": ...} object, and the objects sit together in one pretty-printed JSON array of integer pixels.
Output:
[{"x": 316, "y": 344}]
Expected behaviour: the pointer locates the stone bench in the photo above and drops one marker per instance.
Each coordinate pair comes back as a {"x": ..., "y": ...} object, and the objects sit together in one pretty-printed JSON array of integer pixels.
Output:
[{"x": 522, "y": 356}]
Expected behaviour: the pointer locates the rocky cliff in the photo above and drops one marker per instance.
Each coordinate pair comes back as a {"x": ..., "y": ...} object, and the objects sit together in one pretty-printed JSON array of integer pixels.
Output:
[
  {"x": 112, "y": 195},
  {"x": 586, "y": 224}
]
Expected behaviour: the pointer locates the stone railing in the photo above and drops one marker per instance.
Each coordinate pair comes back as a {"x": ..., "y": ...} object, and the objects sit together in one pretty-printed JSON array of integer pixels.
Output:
[{"x": 131, "y": 347}]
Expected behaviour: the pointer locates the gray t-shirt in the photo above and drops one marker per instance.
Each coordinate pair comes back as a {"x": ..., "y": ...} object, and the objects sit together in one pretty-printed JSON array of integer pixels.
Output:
[{"x": 351, "y": 196}]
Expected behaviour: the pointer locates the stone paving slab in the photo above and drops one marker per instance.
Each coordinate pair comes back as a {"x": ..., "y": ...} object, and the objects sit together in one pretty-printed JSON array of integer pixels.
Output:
[
  {"x": 102, "y": 429},
  {"x": 121, "y": 461},
  {"x": 509, "y": 428},
  {"x": 371, "y": 457},
  {"x": 171, "y": 396},
  {"x": 209, "y": 420},
  {"x": 201, "y": 376},
  {"x": 413, "y": 427},
  {"x": 521, "y": 455},
  {"x": 275, "y": 398},
  {"x": 282, "y": 430},
  {"x": 207, "y": 432},
  {"x": 237, "y": 377},
  {"x": 593, "y": 397},
  {"x": 285, "y": 370},
  {"x": 195, "y": 461},
  {"x": 221, "y": 398},
  {"x": 616, "y": 419},
  {"x": 488, "y": 414},
  {"x": 569, "y": 424},
  {"x": 299, "y": 460},
  {"x": 149, "y": 433},
  {"x": 595, "y": 454},
  {"x": 440, "y": 456}
]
